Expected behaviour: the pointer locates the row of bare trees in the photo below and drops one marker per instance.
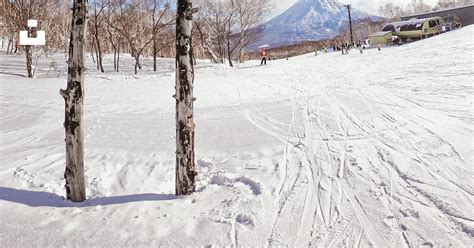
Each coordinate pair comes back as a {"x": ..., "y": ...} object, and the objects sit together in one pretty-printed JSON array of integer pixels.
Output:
[
  {"x": 223, "y": 29},
  {"x": 14, "y": 16},
  {"x": 362, "y": 29},
  {"x": 394, "y": 11},
  {"x": 139, "y": 28}
]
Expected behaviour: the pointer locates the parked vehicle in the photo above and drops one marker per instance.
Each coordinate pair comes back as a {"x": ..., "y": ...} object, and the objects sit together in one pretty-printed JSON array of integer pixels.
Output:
[{"x": 452, "y": 22}]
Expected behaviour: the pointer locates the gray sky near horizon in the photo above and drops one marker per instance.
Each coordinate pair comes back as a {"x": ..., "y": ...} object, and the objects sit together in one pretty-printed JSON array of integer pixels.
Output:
[{"x": 369, "y": 6}]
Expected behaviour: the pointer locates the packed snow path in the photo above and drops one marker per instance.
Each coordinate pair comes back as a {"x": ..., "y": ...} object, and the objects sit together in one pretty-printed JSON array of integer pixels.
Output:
[{"x": 357, "y": 150}]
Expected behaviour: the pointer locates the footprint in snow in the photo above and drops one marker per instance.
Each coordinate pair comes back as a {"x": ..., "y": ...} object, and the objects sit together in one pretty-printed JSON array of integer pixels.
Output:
[
  {"x": 229, "y": 181},
  {"x": 245, "y": 220}
]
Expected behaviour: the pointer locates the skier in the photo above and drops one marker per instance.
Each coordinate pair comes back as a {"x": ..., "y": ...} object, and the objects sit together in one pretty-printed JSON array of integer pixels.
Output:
[
  {"x": 264, "y": 56},
  {"x": 17, "y": 45},
  {"x": 379, "y": 46}
]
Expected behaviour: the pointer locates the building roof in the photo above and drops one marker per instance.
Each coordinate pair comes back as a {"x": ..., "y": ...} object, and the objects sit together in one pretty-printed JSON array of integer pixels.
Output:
[
  {"x": 413, "y": 21},
  {"x": 381, "y": 33}
]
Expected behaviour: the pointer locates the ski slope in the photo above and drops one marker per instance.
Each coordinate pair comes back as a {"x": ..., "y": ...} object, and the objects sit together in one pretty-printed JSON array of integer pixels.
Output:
[{"x": 329, "y": 151}]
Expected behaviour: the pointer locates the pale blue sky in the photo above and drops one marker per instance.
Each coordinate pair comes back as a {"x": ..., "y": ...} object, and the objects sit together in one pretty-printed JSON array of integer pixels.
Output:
[{"x": 369, "y": 6}]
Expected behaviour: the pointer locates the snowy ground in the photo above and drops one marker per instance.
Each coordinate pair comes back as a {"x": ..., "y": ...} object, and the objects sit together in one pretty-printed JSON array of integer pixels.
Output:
[{"x": 329, "y": 151}]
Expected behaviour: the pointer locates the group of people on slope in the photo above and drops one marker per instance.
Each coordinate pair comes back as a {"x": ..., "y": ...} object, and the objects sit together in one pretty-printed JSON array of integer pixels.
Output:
[{"x": 344, "y": 47}]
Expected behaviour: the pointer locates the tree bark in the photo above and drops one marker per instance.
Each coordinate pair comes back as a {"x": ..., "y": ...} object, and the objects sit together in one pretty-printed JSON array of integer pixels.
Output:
[
  {"x": 229, "y": 52},
  {"x": 10, "y": 41},
  {"x": 97, "y": 39},
  {"x": 185, "y": 164},
  {"x": 118, "y": 58},
  {"x": 241, "y": 47},
  {"x": 137, "y": 64},
  {"x": 92, "y": 53},
  {"x": 94, "y": 44},
  {"x": 154, "y": 53},
  {"x": 73, "y": 97},
  {"x": 154, "y": 37},
  {"x": 99, "y": 56},
  {"x": 29, "y": 61},
  {"x": 114, "y": 47}
]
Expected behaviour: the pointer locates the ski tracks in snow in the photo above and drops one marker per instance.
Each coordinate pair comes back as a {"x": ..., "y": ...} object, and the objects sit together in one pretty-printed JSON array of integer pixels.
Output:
[{"x": 345, "y": 128}]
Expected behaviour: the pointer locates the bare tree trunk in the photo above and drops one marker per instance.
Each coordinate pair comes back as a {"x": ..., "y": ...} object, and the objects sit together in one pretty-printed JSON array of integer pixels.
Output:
[
  {"x": 114, "y": 47},
  {"x": 221, "y": 52},
  {"x": 73, "y": 97},
  {"x": 211, "y": 53},
  {"x": 99, "y": 56},
  {"x": 154, "y": 38},
  {"x": 137, "y": 64},
  {"x": 229, "y": 53},
  {"x": 96, "y": 54},
  {"x": 92, "y": 53},
  {"x": 118, "y": 58},
  {"x": 97, "y": 40},
  {"x": 154, "y": 53},
  {"x": 8, "y": 46},
  {"x": 29, "y": 61},
  {"x": 241, "y": 47},
  {"x": 185, "y": 165},
  {"x": 241, "y": 55}
]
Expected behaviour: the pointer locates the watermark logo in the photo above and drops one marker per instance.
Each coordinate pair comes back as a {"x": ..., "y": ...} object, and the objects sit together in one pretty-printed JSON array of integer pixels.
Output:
[{"x": 40, "y": 39}]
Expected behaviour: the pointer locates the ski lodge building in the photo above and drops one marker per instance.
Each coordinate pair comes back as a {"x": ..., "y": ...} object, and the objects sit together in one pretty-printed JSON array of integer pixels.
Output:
[{"x": 382, "y": 38}]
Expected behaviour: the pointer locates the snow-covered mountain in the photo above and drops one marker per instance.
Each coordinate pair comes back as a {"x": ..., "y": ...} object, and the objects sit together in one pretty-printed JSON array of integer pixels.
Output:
[{"x": 308, "y": 20}]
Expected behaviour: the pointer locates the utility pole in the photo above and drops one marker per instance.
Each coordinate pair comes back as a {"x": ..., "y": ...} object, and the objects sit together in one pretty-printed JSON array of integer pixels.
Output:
[{"x": 348, "y": 6}]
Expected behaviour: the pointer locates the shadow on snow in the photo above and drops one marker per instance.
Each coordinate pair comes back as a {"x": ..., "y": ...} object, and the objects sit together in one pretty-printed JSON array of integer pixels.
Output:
[{"x": 45, "y": 199}]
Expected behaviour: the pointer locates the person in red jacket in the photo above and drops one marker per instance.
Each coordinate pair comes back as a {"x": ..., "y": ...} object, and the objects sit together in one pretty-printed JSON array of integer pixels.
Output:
[
  {"x": 17, "y": 45},
  {"x": 264, "y": 56}
]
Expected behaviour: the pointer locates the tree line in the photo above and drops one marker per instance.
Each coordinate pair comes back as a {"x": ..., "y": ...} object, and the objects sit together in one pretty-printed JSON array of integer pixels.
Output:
[
  {"x": 138, "y": 28},
  {"x": 85, "y": 23},
  {"x": 394, "y": 11}
]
